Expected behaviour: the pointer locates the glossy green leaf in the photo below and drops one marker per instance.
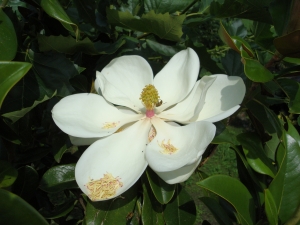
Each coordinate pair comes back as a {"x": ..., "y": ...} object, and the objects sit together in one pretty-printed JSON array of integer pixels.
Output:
[
  {"x": 284, "y": 187},
  {"x": 8, "y": 38},
  {"x": 254, "y": 153},
  {"x": 163, "y": 25},
  {"x": 225, "y": 134},
  {"x": 162, "y": 191},
  {"x": 108, "y": 48},
  {"x": 59, "y": 178},
  {"x": 67, "y": 45},
  {"x": 270, "y": 208},
  {"x": 282, "y": 8},
  {"x": 55, "y": 10},
  {"x": 8, "y": 174},
  {"x": 181, "y": 210},
  {"x": 233, "y": 65},
  {"x": 16, "y": 211},
  {"x": 10, "y": 74},
  {"x": 26, "y": 183},
  {"x": 152, "y": 210},
  {"x": 263, "y": 35},
  {"x": 113, "y": 211},
  {"x": 233, "y": 191},
  {"x": 86, "y": 10},
  {"x": 216, "y": 209},
  {"x": 59, "y": 146},
  {"x": 165, "y": 50}
]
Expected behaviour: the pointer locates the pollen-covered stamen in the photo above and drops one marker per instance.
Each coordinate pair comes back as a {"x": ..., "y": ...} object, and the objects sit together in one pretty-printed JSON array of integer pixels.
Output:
[
  {"x": 103, "y": 188},
  {"x": 168, "y": 148},
  {"x": 149, "y": 97}
]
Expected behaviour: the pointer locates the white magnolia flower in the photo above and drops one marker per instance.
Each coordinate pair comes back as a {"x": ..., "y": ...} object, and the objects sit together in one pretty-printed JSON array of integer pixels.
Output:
[{"x": 138, "y": 131}]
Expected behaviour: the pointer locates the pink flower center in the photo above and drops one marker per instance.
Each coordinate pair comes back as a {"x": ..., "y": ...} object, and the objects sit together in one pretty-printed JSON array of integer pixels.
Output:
[{"x": 150, "y": 113}]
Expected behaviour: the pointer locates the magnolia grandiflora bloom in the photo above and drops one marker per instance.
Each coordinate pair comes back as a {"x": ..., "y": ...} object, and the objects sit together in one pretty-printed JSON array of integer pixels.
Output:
[{"x": 135, "y": 117}]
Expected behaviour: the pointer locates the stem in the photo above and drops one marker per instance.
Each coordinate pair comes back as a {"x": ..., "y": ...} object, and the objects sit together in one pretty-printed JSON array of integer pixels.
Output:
[
  {"x": 188, "y": 7},
  {"x": 4, "y": 3}
]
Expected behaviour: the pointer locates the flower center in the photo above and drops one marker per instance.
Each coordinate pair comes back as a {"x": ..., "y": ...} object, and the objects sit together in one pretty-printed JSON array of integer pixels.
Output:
[{"x": 150, "y": 99}]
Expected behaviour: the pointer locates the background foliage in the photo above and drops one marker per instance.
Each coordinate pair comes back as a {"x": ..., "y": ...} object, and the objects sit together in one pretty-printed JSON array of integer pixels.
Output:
[{"x": 51, "y": 48}]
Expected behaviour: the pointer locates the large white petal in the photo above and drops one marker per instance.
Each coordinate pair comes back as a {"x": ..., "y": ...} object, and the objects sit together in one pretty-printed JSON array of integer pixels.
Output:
[
  {"x": 123, "y": 79},
  {"x": 179, "y": 175},
  {"x": 186, "y": 109},
  {"x": 89, "y": 116},
  {"x": 177, "y": 78},
  {"x": 222, "y": 98},
  {"x": 121, "y": 154},
  {"x": 190, "y": 141}
]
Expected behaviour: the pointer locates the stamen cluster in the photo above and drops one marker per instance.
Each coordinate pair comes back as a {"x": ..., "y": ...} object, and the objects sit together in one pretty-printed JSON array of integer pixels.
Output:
[{"x": 149, "y": 97}]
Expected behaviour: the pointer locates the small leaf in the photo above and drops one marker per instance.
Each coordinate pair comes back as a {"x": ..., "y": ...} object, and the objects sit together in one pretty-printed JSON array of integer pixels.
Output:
[
  {"x": 233, "y": 191},
  {"x": 8, "y": 174},
  {"x": 59, "y": 178},
  {"x": 10, "y": 74},
  {"x": 15, "y": 210},
  {"x": 55, "y": 10},
  {"x": 163, "y": 192},
  {"x": 163, "y": 25},
  {"x": 8, "y": 38}
]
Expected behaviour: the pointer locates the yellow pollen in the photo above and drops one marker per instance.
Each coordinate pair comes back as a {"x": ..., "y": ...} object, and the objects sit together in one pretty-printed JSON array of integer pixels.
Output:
[
  {"x": 110, "y": 125},
  {"x": 149, "y": 97},
  {"x": 103, "y": 188},
  {"x": 168, "y": 148}
]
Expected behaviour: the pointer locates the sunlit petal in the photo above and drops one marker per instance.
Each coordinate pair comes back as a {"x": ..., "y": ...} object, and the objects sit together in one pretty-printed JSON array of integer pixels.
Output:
[
  {"x": 89, "y": 115},
  {"x": 177, "y": 78},
  {"x": 222, "y": 98},
  {"x": 174, "y": 147},
  {"x": 179, "y": 175},
  {"x": 122, "y": 155},
  {"x": 123, "y": 79},
  {"x": 187, "y": 108}
]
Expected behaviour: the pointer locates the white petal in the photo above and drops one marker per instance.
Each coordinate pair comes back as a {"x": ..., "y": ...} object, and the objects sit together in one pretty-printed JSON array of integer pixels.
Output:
[
  {"x": 179, "y": 175},
  {"x": 121, "y": 154},
  {"x": 89, "y": 115},
  {"x": 79, "y": 141},
  {"x": 187, "y": 108},
  {"x": 177, "y": 78},
  {"x": 222, "y": 98},
  {"x": 123, "y": 79},
  {"x": 190, "y": 141}
]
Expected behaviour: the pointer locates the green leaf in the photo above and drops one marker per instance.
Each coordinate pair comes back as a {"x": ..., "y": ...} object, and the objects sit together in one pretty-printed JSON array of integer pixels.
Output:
[
  {"x": 233, "y": 191},
  {"x": 26, "y": 183},
  {"x": 162, "y": 191},
  {"x": 108, "y": 48},
  {"x": 8, "y": 174},
  {"x": 33, "y": 155},
  {"x": 10, "y": 74},
  {"x": 113, "y": 211},
  {"x": 263, "y": 35},
  {"x": 59, "y": 146},
  {"x": 86, "y": 10},
  {"x": 239, "y": 9},
  {"x": 152, "y": 210},
  {"x": 284, "y": 187},
  {"x": 219, "y": 213},
  {"x": 16, "y": 211},
  {"x": 163, "y": 25},
  {"x": 67, "y": 45},
  {"x": 8, "y": 38},
  {"x": 254, "y": 153},
  {"x": 270, "y": 208},
  {"x": 225, "y": 134},
  {"x": 59, "y": 178},
  {"x": 181, "y": 210},
  {"x": 161, "y": 49},
  {"x": 170, "y": 6},
  {"x": 54, "y": 9},
  {"x": 16, "y": 115}
]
